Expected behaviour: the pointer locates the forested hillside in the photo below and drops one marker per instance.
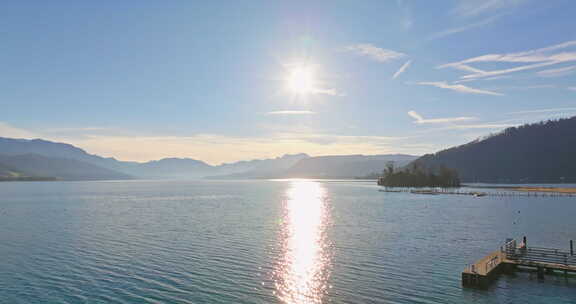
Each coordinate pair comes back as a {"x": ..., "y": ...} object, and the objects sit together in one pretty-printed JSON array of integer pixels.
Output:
[{"x": 543, "y": 152}]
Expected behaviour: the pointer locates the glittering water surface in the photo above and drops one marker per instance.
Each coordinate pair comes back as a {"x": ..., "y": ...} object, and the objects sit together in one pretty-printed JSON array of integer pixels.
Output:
[
  {"x": 292, "y": 241},
  {"x": 304, "y": 267}
]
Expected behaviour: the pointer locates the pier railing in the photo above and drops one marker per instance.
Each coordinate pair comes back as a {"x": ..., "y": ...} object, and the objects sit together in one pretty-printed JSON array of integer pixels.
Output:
[
  {"x": 513, "y": 254},
  {"x": 540, "y": 255}
]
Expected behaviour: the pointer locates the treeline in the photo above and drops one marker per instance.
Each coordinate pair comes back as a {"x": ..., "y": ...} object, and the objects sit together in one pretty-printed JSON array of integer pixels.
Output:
[{"x": 418, "y": 176}]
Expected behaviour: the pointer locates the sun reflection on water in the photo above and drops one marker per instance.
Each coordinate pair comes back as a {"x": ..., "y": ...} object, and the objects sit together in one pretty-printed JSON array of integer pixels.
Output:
[{"x": 302, "y": 275}]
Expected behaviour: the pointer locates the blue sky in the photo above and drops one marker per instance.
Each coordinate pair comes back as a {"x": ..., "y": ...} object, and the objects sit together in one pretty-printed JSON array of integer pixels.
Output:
[{"x": 141, "y": 80}]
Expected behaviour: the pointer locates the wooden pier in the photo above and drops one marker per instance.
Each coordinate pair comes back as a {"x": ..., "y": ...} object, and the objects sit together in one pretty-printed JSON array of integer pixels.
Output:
[
  {"x": 433, "y": 191},
  {"x": 511, "y": 255}
]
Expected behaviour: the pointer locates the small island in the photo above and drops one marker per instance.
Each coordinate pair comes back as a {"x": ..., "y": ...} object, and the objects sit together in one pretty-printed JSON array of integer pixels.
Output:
[{"x": 417, "y": 176}]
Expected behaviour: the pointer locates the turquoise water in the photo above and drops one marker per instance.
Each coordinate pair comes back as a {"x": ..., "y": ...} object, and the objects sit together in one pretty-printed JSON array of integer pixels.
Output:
[{"x": 265, "y": 242}]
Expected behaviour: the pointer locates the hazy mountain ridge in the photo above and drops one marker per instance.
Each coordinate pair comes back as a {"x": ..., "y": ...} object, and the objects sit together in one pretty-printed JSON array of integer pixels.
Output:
[
  {"x": 174, "y": 168},
  {"x": 164, "y": 168},
  {"x": 346, "y": 166},
  {"x": 167, "y": 168},
  {"x": 537, "y": 153},
  {"x": 288, "y": 165},
  {"x": 10, "y": 146},
  {"x": 260, "y": 168},
  {"x": 533, "y": 153},
  {"x": 279, "y": 163},
  {"x": 33, "y": 165},
  {"x": 334, "y": 166}
]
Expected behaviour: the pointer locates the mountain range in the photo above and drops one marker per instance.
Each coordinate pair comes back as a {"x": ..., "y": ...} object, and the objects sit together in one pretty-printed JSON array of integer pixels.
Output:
[
  {"x": 543, "y": 152},
  {"x": 332, "y": 167},
  {"x": 37, "y": 158},
  {"x": 34, "y": 165}
]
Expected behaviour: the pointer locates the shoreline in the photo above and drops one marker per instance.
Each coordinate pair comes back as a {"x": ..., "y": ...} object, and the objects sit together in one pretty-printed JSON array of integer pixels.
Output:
[
  {"x": 529, "y": 188},
  {"x": 545, "y": 189}
]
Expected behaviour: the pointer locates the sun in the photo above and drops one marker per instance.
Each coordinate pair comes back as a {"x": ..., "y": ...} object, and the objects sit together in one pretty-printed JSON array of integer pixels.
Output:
[{"x": 301, "y": 79}]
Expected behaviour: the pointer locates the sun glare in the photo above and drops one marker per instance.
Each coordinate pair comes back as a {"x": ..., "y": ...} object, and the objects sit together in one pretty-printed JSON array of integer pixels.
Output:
[
  {"x": 301, "y": 79},
  {"x": 305, "y": 267}
]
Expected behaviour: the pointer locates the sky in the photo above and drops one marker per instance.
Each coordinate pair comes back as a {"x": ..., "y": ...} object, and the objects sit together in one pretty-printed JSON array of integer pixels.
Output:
[{"x": 223, "y": 81}]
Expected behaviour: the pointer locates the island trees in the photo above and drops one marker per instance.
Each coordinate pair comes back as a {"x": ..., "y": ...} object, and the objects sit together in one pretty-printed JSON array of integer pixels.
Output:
[{"x": 418, "y": 176}]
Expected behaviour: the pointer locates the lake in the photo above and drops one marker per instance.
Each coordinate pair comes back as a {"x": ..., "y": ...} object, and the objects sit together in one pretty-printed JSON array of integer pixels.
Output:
[{"x": 291, "y": 241}]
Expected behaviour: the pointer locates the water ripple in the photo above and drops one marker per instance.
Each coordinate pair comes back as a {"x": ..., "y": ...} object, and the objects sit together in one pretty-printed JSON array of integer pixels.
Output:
[{"x": 262, "y": 242}]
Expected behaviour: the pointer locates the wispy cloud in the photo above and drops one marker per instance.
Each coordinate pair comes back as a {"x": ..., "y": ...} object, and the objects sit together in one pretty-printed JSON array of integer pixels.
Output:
[
  {"x": 545, "y": 111},
  {"x": 458, "y": 88},
  {"x": 402, "y": 69},
  {"x": 484, "y": 79},
  {"x": 482, "y": 126},
  {"x": 75, "y": 130},
  {"x": 571, "y": 88},
  {"x": 375, "y": 53},
  {"x": 464, "y": 28},
  {"x": 525, "y": 87},
  {"x": 465, "y": 127},
  {"x": 406, "y": 13},
  {"x": 289, "y": 112},
  {"x": 557, "y": 72},
  {"x": 326, "y": 139},
  {"x": 468, "y": 8},
  {"x": 531, "y": 59},
  {"x": 420, "y": 120}
]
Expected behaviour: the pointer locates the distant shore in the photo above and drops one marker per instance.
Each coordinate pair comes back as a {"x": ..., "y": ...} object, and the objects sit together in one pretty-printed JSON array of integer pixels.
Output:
[
  {"x": 531, "y": 189},
  {"x": 27, "y": 179},
  {"x": 546, "y": 189}
]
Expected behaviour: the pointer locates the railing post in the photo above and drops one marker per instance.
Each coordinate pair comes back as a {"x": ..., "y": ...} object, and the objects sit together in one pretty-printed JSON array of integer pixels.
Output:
[{"x": 571, "y": 247}]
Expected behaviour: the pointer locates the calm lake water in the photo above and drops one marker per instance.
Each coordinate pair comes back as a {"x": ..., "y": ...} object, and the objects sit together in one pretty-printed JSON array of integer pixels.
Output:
[{"x": 265, "y": 242}]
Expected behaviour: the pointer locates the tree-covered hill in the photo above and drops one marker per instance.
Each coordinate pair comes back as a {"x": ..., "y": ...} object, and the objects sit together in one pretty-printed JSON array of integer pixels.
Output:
[{"x": 543, "y": 152}]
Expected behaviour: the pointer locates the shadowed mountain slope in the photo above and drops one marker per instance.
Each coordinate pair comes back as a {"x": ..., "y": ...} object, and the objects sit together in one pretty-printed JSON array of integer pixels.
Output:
[{"x": 543, "y": 152}]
